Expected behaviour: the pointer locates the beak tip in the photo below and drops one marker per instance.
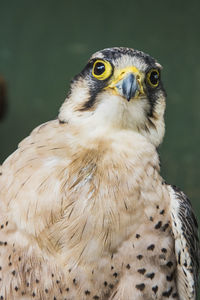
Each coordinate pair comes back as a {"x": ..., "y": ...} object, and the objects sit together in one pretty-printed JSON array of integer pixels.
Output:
[{"x": 129, "y": 86}]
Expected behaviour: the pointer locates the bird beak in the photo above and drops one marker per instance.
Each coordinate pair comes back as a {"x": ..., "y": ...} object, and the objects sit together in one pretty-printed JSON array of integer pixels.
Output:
[
  {"x": 127, "y": 83},
  {"x": 128, "y": 86}
]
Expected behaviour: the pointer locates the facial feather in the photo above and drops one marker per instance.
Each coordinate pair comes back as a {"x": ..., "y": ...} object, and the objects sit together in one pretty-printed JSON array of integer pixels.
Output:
[{"x": 92, "y": 105}]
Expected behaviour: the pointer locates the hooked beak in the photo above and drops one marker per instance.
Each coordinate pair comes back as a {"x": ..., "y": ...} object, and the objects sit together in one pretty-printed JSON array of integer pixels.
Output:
[
  {"x": 128, "y": 86},
  {"x": 127, "y": 82}
]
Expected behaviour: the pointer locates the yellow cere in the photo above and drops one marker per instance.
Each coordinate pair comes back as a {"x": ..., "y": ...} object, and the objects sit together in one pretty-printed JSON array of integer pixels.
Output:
[
  {"x": 106, "y": 73},
  {"x": 119, "y": 74}
]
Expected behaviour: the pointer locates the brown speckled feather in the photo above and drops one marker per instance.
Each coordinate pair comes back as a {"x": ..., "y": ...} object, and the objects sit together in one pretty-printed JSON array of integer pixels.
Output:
[{"x": 63, "y": 218}]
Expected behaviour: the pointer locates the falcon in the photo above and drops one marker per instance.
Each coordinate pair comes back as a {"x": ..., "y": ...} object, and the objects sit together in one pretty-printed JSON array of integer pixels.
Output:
[{"x": 85, "y": 213}]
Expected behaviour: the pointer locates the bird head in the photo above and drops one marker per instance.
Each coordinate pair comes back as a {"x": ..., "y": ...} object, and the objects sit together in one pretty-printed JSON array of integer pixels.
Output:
[{"x": 119, "y": 88}]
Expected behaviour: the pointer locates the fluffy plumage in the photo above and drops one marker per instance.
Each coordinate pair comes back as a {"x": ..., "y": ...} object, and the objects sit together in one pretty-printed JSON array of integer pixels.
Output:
[{"x": 85, "y": 213}]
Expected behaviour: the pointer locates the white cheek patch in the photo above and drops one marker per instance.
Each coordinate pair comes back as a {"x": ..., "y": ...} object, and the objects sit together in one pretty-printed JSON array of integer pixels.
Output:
[{"x": 80, "y": 91}]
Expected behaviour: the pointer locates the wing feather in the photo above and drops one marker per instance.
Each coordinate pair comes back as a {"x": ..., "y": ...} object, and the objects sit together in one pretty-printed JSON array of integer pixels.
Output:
[{"x": 185, "y": 231}]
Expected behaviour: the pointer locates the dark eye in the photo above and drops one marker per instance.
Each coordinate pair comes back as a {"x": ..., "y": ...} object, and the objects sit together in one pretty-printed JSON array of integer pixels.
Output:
[
  {"x": 99, "y": 68},
  {"x": 153, "y": 77},
  {"x": 102, "y": 69}
]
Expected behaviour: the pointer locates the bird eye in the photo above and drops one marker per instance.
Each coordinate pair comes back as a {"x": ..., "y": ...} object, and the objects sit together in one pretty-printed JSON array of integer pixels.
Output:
[
  {"x": 101, "y": 69},
  {"x": 153, "y": 77}
]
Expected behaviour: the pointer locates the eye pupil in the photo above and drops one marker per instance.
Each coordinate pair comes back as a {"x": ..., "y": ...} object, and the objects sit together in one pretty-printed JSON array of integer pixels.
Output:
[
  {"x": 154, "y": 77},
  {"x": 99, "y": 68}
]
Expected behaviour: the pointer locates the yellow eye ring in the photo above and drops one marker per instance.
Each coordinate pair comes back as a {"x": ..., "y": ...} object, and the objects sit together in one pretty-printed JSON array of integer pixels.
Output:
[
  {"x": 102, "y": 69},
  {"x": 153, "y": 77}
]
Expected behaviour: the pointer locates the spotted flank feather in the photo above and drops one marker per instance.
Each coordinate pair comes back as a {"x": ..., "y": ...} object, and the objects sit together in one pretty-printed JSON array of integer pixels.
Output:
[{"x": 185, "y": 231}]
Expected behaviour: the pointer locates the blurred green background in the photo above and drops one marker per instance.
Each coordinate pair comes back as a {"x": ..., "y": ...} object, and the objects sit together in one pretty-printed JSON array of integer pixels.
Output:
[{"x": 43, "y": 44}]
